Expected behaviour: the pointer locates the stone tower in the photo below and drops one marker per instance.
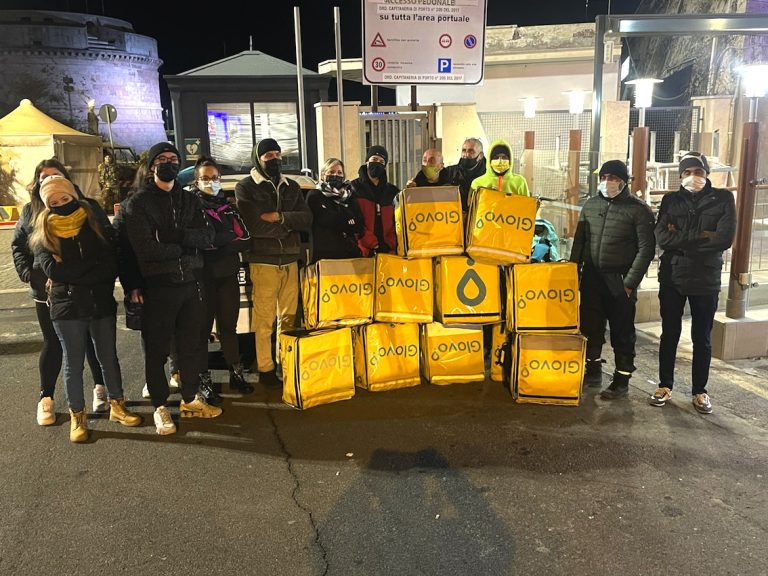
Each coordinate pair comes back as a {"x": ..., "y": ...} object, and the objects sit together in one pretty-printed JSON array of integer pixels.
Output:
[{"x": 63, "y": 60}]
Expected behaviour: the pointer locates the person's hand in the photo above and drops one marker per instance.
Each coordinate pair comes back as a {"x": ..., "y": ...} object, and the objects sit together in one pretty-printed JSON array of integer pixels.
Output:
[
  {"x": 410, "y": 184},
  {"x": 707, "y": 234},
  {"x": 628, "y": 292},
  {"x": 136, "y": 296},
  {"x": 48, "y": 285},
  {"x": 671, "y": 228},
  {"x": 271, "y": 216},
  {"x": 56, "y": 257}
]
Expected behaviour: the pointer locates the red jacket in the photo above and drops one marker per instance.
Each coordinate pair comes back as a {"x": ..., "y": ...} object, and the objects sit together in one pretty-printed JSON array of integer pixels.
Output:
[{"x": 376, "y": 205}]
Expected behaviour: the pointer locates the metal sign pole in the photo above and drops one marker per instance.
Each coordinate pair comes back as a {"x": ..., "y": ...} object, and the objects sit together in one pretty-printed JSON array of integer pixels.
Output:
[
  {"x": 339, "y": 86},
  {"x": 300, "y": 79},
  {"x": 111, "y": 143}
]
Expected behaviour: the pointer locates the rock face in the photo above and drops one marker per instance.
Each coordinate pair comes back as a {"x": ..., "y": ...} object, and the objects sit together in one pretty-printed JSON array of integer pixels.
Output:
[
  {"x": 61, "y": 60},
  {"x": 710, "y": 73}
]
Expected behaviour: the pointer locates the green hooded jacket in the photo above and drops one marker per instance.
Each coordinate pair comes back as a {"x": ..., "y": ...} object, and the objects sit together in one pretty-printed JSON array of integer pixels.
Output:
[{"x": 511, "y": 183}]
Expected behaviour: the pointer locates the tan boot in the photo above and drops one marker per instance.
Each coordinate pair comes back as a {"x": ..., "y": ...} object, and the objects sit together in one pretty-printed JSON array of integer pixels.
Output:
[
  {"x": 198, "y": 408},
  {"x": 119, "y": 413},
  {"x": 45, "y": 414},
  {"x": 78, "y": 426}
]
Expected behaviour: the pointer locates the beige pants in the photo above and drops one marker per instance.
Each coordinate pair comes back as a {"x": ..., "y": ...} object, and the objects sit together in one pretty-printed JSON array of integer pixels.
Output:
[{"x": 275, "y": 295}]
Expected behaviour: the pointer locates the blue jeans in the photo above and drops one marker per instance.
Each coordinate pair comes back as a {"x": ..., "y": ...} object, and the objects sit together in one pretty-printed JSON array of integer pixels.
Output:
[
  {"x": 703, "y": 310},
  {"x": 73, "y": 335}
]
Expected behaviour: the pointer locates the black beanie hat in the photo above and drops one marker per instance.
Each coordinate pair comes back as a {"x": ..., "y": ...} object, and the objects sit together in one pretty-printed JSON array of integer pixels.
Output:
[
  {"x": 264, "y": 146},
  {"x": 158, "y": 149},
  {"x": 378, "y": 151},
  {"x": 615, "y": 168},
  {"x": 694, "y": 160},
  {"x": 500, "y": 149}
]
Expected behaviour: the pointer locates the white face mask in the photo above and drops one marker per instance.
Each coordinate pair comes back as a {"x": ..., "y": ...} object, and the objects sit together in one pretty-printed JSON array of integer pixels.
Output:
[
  {"x": 609, "y": 188},
  {"x": 210, "y": 187},
  {"x": 694, "y": 183}
]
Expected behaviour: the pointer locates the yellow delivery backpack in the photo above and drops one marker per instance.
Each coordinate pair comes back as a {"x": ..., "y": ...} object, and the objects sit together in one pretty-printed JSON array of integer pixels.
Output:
[
  {"x": 404, "y": 291},
  {"x": 543, "y": 297},
  {"x": 501, "y": 226},
  {"x": 466, "y": 292},
  {"x": 452, "y": 354},
  {"x": 498, "y": 340},
  {"x": 548, "y": 368},
  {"x": 386, "y": 356},
  {"x": 338, "y": 292},
  {"x": 318, "y": 367},
  {"x": 429, "y": 222}
]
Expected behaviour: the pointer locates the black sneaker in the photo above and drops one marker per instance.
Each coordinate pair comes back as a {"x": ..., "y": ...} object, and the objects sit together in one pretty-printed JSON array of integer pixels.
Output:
[
  {"x": 593, "y": 374},
  {"x": 269, "y": 379},
  {"x": 208, "y": 390},
  {"x": 618, "y": 388},
  {"x": 237, "y": 381}
]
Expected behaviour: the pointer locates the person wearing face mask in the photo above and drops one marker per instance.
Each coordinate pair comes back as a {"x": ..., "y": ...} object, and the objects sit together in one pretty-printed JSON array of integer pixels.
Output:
[
  {"x": 275, "y": 212},
  {"x": 375, "y": 198},
  {"x": 471, "y": 165},
  {"x": 613, "y": 246},
  {"x": 695, "y": 225},
  {"x": 167, "y": 231},
  {"x": 336, "y": 221},
  {"x": 74, "y": 247},
  {"x": 31, "y": 273},
  {"x": 221, "y": 265},
  {"x": 499, "y": 175},
  {"x": 432, "y": 173}
]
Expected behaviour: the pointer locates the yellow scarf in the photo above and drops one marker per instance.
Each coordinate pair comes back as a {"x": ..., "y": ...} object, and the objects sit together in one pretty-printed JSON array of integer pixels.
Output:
[{"x": 67, "y": 226}]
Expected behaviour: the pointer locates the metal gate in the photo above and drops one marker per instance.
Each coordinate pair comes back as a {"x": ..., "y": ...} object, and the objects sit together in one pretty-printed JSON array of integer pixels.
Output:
[{"x": 405, "y": 135}]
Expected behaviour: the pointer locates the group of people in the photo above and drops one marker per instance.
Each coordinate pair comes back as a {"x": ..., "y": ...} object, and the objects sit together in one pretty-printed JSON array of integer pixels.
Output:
[
  {"x": 614, "y": 244},
  {"x": 177, "y": 251}
]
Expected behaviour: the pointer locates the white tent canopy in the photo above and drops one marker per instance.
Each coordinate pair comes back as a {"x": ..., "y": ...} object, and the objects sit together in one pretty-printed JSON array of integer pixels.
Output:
[{"x": 28, "y": 136}]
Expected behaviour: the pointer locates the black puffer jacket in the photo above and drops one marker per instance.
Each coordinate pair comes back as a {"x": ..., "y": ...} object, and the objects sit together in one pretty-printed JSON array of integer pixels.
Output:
[
  {"x": 693, "y": 230},
  {"x": 335, "y": 226},
  {"x": 230, "y": 236},
  {"x": 83, "y": 282},
  {"x": 176, "y": 213},
  {"x": 463, "y": 179},
  {"x": 27, "y": 267},
  {"x": 272, "y": 242},
  {"x": 615, "y": 236}
]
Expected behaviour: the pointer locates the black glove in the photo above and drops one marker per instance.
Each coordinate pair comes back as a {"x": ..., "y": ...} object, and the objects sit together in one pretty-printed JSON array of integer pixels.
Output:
[
  {"x": 382, "y": 249},
  {"x": 172, "y": 236},
  {"x": 25, "y": 275}
]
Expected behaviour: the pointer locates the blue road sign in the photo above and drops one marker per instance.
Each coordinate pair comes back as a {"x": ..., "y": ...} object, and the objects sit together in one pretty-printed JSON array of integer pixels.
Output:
[
  {"x": 470, "y": 41},
  {"x": 443, "y": 65}
]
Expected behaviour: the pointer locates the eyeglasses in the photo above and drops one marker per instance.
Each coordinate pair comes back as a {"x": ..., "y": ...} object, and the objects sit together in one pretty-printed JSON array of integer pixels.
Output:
[
  {"x": 166, "y": 160},
  {"x": 209, "y": 179}
]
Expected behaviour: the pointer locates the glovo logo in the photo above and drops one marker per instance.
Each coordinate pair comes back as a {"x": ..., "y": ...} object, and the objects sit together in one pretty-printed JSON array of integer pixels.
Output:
[
  {"x": 348, "y": 288},
  {"x": 327, "y": 363},
  {"x": 552, "y": 295},
  {"x": 466, "y": 347},
  {"x": 471, "y": 277},
  {"x": 387, "y": 352},
  {"x": 551, "y": 366},
  {"x": 520, "y": 223},
  {"x": 439, "y": 217},
  {"x": 415, "y": 284}
]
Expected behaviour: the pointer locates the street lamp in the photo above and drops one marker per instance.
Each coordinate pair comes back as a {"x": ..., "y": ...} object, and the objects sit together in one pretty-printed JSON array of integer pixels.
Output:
[
  {"x": 755, "y": 77},
  {"x": 643, "y": 95}
]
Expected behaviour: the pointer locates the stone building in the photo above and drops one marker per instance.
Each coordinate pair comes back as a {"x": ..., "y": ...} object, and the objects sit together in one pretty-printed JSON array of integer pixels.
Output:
[{"x": 63, "y": 60}]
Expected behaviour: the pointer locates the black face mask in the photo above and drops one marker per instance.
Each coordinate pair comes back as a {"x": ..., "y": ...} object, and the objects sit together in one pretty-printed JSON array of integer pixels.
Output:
[
  {"x": 167, "y": 172},
  {"x": 468, "y": 164},
  {"x": 376, "y": 169},
  {"x": 66, "y": 209},
  {"x": 335, "y": 181},
  {"x": 272, "y": 167}
]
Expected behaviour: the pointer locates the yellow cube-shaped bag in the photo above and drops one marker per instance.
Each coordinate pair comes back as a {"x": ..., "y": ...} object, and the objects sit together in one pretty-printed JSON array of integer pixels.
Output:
[
  {"x": 429, "y": 222},
  {"x": 498, "y": 338},
  {"x": 452, "y": 354},
  {"x": 404, "y": 289},
  {"x": 466, "y": 291},
  {"x": 318, "y": 367},
  {"x": 338, "y": 292},
  {"x": 501, "y": 227},
  {"x": 544, "y": 297},
  {"x": 548, "y": 368},
  {"x": 386, "y": 356}
]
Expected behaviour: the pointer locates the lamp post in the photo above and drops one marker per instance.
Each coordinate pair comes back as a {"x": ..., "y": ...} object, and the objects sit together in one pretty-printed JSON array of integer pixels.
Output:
[
  {"x": 640, "y": 135},
  {"x": 755, "y": 79}
]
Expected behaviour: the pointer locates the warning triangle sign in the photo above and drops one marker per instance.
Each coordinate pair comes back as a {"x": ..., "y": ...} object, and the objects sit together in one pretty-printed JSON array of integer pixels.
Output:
[{"x": 378, "y": 41}]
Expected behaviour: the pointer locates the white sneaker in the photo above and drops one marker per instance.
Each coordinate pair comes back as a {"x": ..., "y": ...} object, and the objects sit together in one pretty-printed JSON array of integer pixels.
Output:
[
  {"x": 174, "y": 383},
  {"x": 45, "y": 414},
  {"x": 163, "y": 421},
  {"x": 100, "y": 403},
  {"x": 145, "y": 392}
]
